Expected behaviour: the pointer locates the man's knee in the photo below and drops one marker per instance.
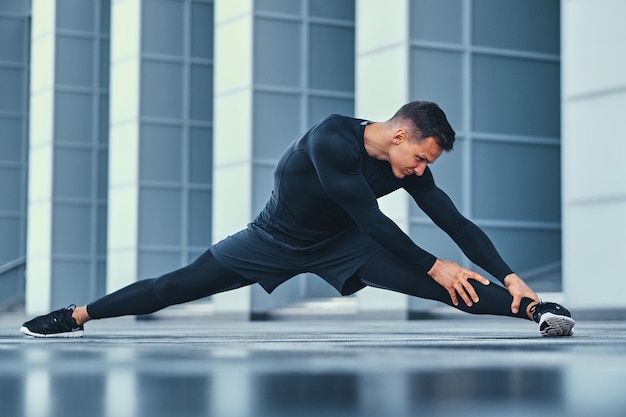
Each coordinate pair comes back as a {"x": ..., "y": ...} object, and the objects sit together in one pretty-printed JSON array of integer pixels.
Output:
[{"x": 168, "y": 288}]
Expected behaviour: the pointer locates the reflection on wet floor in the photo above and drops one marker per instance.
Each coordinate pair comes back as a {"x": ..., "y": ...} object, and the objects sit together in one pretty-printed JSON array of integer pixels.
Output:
[
  {"x": 356, "y": 374},
  {"x": 124, "y": 392},
  {"x": 235, "y": 389}
]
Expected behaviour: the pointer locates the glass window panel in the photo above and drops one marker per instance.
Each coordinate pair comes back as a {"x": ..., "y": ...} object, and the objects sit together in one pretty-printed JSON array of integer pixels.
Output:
[
  {"x": 279, "y": 6},
  {"x": 516, "y": 182},
  {"x": 548, "y": 280},
  {"x": 13, "y": 90},
  {"x": 201, "y": 92},
  {"x": 436, "y": 20},
  {"x": 448, "y": 174},
  {"x": 103, "y": 123},
  {"x": 101, "y": 280},
  {"x": 72, "y": 229},
  {"x": 517, "y": 96},
  {"x": 15, "y": 6},
  {"x": 160, "y": 153},
  {"x": 74, "y": 62},
  {"x": 320, "y": 107},
  {"x": 73, "y": 282},
  {"x": 12, "y": 33},
  {"x": 26, "y": 50},
  {"x": 263, "y": 183},
  {"x": 331, "y": 59},
  {"x": 160, "y": 213},
  {"x": 276, "y": 123},
  {"x": 10, "y": 236},
  {"x": 12, "y": 140},
  {"x": 432, "y": 239},
  {"x": 333, "y": 9},
  {"x": 200, "y": 156},
  {"x": 529, "y": 249},
  {"x": 438, "y": 76},
  {"x": 103, "y": 174},
  {"x": 73, "y": 120},
  {"x": 202, "y": 30},
  {"x": 101, "y": 241},
  {"x": 105, "y": 54},
  {"x": 105, "y": 16},
  {"x": 161, "y": 89},
  {"x": 154, "y": 264},
  {"x": 73, "y": 173},
  {"x": 76, "y": 15},
  {"x": 10, "y": 189},
  {"x": 277, "y": 53},
  {"x": 200, "y": 218},
  {"x": 11, "y": 285},
  {"x": 162, "y": 27},
  {"x": 530, "y": 25}
]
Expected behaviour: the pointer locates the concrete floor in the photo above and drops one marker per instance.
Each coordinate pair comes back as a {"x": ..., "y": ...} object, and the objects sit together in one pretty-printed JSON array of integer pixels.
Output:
[{"x": 340, "y": 367}]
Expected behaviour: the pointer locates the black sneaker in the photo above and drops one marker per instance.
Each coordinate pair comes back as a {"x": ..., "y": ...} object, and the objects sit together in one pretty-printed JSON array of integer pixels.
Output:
[
  {"x": 59, "y": 323},
  {"x": 553, "y": 319}
]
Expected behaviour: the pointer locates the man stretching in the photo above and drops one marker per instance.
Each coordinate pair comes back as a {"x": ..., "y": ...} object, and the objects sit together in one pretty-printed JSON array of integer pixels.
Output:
[{"x": 323, "y": 217}]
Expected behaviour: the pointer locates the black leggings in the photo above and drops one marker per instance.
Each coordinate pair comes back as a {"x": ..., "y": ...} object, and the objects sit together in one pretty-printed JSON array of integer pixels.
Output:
[
  {"x": 383, "y": 271},
  {"x": 206, "y": 276}
]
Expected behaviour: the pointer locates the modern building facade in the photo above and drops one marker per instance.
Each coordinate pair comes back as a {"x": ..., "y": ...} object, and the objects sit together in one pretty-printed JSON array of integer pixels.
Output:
[
  {"x": 133, "y": 133},
  {"x": 15, "y": 18}
]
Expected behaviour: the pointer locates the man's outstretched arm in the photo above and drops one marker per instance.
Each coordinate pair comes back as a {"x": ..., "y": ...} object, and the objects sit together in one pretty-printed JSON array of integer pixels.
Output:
[{"x": 473, "y": 242}]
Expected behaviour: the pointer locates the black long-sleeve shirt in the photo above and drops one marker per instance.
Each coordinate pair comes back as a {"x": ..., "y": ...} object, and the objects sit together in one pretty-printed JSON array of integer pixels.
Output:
[{"x": 326, "y": 183}]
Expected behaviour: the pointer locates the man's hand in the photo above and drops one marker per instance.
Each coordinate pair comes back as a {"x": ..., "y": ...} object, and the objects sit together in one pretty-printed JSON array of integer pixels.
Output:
[
  {"x": 518, "y": 289},
  {"x": 455, "y": 279}
]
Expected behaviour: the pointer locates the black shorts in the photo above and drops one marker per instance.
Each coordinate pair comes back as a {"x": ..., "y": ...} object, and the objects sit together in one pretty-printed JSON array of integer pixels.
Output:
[{"x": 255, "y": 255}]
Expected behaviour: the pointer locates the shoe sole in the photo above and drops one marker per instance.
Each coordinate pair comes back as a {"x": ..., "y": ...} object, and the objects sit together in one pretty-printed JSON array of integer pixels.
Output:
[
  {"x": 551, "y": 325},
  {"x": 75, "y": 333}
]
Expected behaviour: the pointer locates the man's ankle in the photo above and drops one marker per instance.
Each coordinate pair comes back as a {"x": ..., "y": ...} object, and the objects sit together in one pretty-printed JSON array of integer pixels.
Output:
[
  {"x": 531, "y": 309},
  {"x": 80, "y": 315}
]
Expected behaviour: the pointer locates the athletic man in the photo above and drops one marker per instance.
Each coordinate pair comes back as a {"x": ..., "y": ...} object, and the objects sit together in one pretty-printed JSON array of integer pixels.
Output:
[{"x": 323, "y": 217}]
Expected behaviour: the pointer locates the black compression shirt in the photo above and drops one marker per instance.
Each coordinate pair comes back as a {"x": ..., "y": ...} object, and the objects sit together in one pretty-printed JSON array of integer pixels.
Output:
[{"x": 326, "y": 183}]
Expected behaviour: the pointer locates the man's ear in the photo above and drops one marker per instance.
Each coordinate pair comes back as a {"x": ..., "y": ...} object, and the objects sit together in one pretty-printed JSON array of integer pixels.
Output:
[{"x": 399, "y": 136}]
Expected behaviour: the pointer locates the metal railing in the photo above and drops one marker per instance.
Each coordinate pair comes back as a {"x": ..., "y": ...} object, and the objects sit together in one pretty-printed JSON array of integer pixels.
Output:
[
  {"x": 12, "y": 264},
  {"x": 9, "y": 300}
]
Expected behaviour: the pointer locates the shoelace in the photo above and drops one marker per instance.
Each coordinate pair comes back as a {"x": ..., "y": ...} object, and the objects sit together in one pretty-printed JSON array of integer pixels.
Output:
[{"x": 59, "y": 315}]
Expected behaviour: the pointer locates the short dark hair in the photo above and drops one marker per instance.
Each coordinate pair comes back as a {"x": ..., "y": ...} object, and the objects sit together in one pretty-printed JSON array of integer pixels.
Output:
[{"x": 429, "y": 120}]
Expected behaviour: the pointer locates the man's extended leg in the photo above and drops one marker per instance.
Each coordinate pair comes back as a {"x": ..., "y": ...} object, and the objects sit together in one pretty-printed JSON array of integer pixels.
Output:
[
  {"x": 202, "y": 278},
  {"x": 384, "y": 271}
]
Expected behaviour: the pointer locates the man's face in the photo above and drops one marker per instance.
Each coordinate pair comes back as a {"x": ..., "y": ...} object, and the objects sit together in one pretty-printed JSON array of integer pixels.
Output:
[{"x": 409, "y": 157}]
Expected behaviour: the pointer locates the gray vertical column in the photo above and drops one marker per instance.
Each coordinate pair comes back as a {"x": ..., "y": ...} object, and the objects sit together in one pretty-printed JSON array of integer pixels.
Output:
[
  {"x": 68, "y": 153},
  {"x": 14, "y": 71},
  {"x": 160, "y": 134},
  {"x": 281, "y": 67}
]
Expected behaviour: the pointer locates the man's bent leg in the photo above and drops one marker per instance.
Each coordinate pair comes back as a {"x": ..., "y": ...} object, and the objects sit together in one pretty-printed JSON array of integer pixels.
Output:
[{"x": 383, "y": 271}]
